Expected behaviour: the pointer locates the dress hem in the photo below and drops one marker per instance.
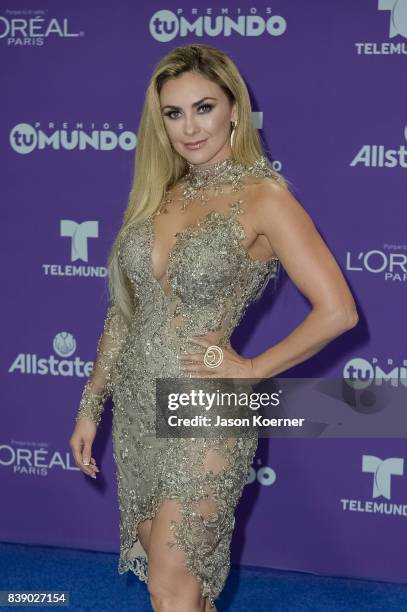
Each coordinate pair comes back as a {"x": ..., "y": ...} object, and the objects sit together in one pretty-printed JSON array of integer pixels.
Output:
[{"x": 139, "y": 565}]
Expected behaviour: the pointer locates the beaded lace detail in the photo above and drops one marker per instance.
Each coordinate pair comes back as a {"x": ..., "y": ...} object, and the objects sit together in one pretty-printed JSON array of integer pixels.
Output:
[
  {"x": 98, "y": 386},
  {"x": 206, "y": 181},
  {"x": 194, "y": 270}
]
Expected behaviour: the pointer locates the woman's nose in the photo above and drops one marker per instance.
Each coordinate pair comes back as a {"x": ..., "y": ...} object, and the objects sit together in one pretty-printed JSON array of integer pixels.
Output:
[{"x": 190, "y": 125}]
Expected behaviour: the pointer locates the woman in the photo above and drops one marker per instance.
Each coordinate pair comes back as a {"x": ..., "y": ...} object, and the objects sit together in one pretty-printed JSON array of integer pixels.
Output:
[{"x": 208, "y": 224}]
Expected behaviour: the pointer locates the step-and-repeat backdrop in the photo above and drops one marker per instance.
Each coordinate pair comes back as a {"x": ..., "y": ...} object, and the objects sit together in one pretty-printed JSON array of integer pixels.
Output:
[{"x": 327, "y": 82}]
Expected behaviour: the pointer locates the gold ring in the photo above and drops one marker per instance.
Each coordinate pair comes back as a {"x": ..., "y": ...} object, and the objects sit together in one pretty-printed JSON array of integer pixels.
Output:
[{"x": 213, "y": 356}]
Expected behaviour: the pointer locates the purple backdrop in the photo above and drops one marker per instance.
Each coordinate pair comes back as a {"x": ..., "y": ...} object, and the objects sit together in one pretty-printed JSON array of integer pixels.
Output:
[{"x": 327, "y": 81}]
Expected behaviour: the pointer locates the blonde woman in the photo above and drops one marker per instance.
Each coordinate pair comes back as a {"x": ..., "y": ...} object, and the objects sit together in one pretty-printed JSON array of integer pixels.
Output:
[{"x": 208, "y": 223}]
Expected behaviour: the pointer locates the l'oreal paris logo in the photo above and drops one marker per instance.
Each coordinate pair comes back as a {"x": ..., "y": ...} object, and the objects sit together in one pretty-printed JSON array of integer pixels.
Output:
[
  {"x": 390, "y": 266},
  {"x": 34, "y": 458},
  {"x": 32, "y": 28}
]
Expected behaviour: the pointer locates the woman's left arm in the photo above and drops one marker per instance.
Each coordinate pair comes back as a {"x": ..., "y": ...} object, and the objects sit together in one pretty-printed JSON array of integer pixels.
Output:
[{"x": 312, "y": 268}]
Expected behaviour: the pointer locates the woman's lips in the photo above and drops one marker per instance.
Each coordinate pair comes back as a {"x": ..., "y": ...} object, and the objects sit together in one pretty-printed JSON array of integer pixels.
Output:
[{"x": 197, "y": 145}]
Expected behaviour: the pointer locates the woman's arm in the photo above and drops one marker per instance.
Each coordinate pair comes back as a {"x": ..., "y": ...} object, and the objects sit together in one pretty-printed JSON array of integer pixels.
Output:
[
  {"x": 97, "y": 388},
  {"x": 313, "y": 269}
]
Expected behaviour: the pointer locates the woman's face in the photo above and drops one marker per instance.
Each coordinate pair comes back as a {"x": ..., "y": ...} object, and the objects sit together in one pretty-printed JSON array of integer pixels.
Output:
[{"x": 196, "y": 109}]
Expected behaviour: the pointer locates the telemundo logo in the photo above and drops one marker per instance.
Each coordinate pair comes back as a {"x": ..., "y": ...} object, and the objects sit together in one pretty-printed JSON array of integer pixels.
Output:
[
  {"x": 79, "y": 234},
  {"x": 397, "y": 17},
  {"x": 382, "y": 472},
  {"x": 397, "y": 31},
  {"x": 166, "y": 25}
]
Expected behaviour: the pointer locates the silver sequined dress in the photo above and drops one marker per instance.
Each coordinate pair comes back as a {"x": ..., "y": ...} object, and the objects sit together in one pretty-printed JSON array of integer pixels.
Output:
[{"x": 207, "y": 278}]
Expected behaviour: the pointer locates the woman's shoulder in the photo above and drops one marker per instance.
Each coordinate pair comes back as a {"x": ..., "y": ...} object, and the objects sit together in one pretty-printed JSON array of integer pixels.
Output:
[
  {"x": 264, "y": 188},
  {"x": 272, "y": 184}
]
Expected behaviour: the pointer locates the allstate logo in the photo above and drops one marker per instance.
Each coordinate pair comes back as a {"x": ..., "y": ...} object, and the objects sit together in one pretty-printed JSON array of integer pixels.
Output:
[
  {"x": 398, "y": 16},
  {"x": 64, "y": 344}
]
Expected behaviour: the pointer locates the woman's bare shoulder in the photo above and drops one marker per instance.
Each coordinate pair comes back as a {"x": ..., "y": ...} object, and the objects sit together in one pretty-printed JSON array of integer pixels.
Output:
[
  {"x": 264, "y": 193},
  {"x": 269, "y": 194}
]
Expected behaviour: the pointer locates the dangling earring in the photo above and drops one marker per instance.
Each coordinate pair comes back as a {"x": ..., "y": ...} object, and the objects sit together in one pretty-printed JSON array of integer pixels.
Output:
[{"x": 232, "y": 134}]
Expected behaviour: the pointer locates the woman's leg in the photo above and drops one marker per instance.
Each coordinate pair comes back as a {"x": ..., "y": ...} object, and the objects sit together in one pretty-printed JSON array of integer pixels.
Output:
[
  {"x": 144, "y": 530},
  {"x": 172, "y": 587}
]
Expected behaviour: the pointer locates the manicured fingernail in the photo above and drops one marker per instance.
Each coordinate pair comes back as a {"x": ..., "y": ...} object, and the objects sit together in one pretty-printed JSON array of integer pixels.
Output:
[{"x": 86, "y": 463}]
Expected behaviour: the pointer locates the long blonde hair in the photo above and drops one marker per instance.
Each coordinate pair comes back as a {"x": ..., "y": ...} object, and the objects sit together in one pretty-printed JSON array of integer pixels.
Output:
[{"x": 158, "y": 165}]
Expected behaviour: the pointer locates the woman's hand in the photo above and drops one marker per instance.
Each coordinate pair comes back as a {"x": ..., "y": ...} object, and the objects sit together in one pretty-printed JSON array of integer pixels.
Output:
[
  {"x": 81, "y": 444},
  {"x": 231, "y": 364}
]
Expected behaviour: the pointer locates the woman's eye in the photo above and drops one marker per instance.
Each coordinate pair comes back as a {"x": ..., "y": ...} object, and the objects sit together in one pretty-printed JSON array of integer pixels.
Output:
[
  {"x": 208, "y": 108},
  {"x": 170, "y": 113}
]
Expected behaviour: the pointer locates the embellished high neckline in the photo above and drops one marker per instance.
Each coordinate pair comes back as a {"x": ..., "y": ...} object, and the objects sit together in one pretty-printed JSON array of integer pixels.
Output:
[
  {"x": 203, "y": 182},
  {"x": 212, "y": 167}
]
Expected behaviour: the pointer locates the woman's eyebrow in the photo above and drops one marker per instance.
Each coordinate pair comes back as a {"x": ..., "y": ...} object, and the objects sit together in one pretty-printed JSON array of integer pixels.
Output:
[{"x": 193, "y": 105}]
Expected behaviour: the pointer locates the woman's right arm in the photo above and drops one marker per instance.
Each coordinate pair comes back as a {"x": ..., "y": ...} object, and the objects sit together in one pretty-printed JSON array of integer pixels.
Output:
[{"x": 97, "y": 389}]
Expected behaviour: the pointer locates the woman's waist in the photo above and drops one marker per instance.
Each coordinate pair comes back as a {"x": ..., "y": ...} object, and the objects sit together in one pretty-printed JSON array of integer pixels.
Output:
[
  {"x": 157, "y": 355},
  {"x": 171, "y": 340}
]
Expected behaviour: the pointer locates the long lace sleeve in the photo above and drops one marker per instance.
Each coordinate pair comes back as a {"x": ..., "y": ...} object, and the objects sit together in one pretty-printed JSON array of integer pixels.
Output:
[{"x": 97, "y": 388}]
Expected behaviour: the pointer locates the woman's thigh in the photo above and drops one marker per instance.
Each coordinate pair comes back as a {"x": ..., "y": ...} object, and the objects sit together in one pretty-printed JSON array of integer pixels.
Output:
[{"x": 167, "y": 571}]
